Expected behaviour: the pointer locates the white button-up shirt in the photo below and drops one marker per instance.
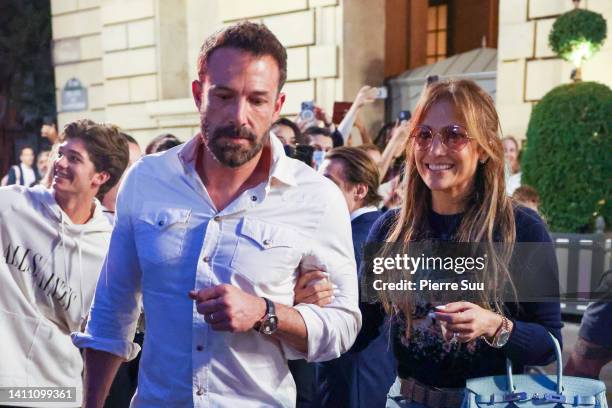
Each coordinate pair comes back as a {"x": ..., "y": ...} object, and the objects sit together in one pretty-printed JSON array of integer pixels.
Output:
[{"x": 169, "y": 239}]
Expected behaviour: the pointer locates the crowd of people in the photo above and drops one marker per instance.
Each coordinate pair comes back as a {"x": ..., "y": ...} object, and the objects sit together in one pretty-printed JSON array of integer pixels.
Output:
[{"x": 225, "y": 270}]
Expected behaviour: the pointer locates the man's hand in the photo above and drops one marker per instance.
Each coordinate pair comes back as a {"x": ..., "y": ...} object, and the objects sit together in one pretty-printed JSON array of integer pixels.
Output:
[
  {"x": 314, "y": 288},
  {"x": 321, "y": 115},
  {"x": 227, "y": 308}
]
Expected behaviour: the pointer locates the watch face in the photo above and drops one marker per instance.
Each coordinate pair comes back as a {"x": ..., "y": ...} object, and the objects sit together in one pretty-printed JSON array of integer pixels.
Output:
[
  {"x": 503, "y": 338},
  {"x": 270, "y": 325}
]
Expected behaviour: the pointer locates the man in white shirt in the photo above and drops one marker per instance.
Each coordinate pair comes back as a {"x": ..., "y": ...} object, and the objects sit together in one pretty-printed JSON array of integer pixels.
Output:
[
  {"x": 210, "y": 236},
  {"x": 25, "y": 173}
]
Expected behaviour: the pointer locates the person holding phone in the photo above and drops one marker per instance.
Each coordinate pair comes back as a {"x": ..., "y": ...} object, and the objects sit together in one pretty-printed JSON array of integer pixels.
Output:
[{"x": 455, "y": 193}]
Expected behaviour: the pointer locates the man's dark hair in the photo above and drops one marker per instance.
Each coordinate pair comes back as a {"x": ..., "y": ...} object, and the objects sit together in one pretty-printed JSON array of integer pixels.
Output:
[
  {"x": 294, "y": 128},
  {"x": 107, "y": 149},
  {"x": 130, "y": 139},
  {"x": 167, "y": 145},
  {"x": 251, "y": 37},
  {"x": 26, "y": 147},
  {"x": 358, "y": 168},
  {"x": 314, "y": 130},
  {"x": 49, "y": 120},
  {"x": 167, "y": 140}
]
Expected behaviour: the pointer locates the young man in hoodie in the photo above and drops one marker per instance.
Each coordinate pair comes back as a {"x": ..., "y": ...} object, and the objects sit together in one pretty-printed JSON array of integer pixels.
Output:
[{"x": 53, "y": 244}]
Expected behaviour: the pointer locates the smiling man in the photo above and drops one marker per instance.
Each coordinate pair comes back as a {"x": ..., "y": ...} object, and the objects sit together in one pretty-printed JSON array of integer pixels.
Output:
[
  {"x": 210, "y": 236},
  {"x": 53, "y": 244}
]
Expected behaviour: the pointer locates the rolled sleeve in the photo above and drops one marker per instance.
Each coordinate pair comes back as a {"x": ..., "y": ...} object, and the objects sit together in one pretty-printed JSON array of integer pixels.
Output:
[
  {"x": 117, "y": 302},
  {"x": 332, "y": 329}
]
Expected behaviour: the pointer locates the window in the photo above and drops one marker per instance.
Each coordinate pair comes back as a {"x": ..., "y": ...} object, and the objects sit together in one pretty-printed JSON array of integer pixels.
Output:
[{"x": 437, "y": 31}]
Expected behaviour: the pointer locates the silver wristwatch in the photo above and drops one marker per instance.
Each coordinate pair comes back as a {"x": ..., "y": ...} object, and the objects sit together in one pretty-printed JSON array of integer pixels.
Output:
[
  {"x": 269, "y": 323},
  {"x": 502, "y": 335}
]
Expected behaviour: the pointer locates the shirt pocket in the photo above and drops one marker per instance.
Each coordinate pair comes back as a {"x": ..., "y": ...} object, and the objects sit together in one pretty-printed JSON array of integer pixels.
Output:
[
  {"x": 160, "y": 233},
  {"x": 265, "y": 253}
]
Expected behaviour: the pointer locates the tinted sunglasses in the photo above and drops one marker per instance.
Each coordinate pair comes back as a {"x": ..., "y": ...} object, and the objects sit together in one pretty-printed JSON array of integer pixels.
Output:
[{"x": 454, "y": 137}]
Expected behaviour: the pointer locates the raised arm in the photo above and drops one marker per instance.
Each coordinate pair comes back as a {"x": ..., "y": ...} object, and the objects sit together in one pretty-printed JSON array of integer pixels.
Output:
[{"x": 367, "y": 94}]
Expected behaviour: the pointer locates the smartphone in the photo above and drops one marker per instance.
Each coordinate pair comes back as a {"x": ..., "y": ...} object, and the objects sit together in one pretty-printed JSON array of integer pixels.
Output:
[
  {"x": 382, "y": 92},
  {"x": 317, "y": 158},
  {"x": 404, "y": 115},
  {"x": 307, "y": 112}
]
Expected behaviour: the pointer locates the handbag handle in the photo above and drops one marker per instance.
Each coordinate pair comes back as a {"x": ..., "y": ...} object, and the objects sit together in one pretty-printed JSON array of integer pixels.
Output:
[{"x": 559, "y": 368}]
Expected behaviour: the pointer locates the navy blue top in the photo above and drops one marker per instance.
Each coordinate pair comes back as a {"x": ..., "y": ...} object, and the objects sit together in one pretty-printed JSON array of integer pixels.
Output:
[
  {"x": 434, "y": 362},
  {"x": 362, "y": 376}
]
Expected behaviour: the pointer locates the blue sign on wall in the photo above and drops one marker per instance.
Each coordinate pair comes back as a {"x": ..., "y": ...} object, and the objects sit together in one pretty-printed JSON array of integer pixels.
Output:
[{"x": 74, "y": 96}]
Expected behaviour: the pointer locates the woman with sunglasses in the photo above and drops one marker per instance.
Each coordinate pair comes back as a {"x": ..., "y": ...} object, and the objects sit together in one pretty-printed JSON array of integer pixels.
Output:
[{"x": 455, "y": 193}]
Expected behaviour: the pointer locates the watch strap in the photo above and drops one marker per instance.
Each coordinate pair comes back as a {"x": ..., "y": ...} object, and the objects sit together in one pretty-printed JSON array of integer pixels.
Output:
[
  {"x": 270, "y": 312},
  {"x": 503, "y": 327}
]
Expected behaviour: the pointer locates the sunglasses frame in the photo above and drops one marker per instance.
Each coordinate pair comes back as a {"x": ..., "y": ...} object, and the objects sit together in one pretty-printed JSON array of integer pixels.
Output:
[{"x": 443, "y": 137}]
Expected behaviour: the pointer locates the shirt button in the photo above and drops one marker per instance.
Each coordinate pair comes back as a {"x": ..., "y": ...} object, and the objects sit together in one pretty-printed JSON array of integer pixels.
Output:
[
  {"x": 200, "y": 391},
  {"x": 267, "y": 242},
  {"x": 200, "y": 347},
  {"x": 206, "y": 259},
  {"x": 253, "y": 198},
  {"x": 161, "y": 223},
  {"x": 217, "y": 218}
]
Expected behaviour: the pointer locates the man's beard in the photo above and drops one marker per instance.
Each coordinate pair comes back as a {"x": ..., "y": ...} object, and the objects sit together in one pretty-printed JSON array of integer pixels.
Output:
[{"x": 227, "y": 153}]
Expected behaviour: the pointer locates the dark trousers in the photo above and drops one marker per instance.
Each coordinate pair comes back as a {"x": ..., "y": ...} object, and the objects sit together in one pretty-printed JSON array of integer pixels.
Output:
[{"x": 304, "y": 375}]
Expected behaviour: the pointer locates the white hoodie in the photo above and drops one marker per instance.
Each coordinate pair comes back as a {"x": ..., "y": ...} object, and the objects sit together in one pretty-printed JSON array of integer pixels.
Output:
[{"x": 48, "y": 273}]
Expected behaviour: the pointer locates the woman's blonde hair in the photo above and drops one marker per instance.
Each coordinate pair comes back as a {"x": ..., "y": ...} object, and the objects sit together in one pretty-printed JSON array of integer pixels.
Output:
[{"x": 489, "y": 215}]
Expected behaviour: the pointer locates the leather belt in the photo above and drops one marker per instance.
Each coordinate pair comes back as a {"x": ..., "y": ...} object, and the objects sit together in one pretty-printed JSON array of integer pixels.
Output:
[{"x": 415, "y": 391}]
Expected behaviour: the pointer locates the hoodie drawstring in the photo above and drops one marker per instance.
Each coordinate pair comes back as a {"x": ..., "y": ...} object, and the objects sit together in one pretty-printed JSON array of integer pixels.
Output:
[
  {"x": 62, "y": 233},
  {"x": 78, "y": 243},
  {"x": 80, "y": 249}
]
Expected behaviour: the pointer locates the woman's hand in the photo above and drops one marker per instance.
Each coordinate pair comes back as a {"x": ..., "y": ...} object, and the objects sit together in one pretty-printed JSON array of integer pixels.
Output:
[
  {"x": 465, "y": 321},
  {"x": 314, "y": 288},
  {"x": 367, "y": 94}
]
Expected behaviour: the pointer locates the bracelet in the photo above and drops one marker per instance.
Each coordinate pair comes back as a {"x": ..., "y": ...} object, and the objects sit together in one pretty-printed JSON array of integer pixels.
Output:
[{"x": 504, "y": 325}]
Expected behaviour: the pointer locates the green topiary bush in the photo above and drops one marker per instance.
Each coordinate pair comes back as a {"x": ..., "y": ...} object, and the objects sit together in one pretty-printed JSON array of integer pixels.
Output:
[
  {"x": 568, "y": 157},
  {"x": 577, "y": 34}
]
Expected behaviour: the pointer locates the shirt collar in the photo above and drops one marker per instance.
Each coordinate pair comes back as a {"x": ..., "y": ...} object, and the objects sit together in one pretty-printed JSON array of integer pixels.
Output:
[
  {"x": 362, "y": 210},
  {"x": 281, "y": 169}
]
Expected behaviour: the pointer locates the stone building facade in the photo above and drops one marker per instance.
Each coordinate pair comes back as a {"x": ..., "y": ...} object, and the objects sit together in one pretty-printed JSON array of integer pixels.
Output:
[{"x": 137, "y": 58}]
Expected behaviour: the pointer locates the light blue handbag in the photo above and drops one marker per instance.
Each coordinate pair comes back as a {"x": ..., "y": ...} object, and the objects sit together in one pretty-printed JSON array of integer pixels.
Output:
[{"x": 543, "y": 391}]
